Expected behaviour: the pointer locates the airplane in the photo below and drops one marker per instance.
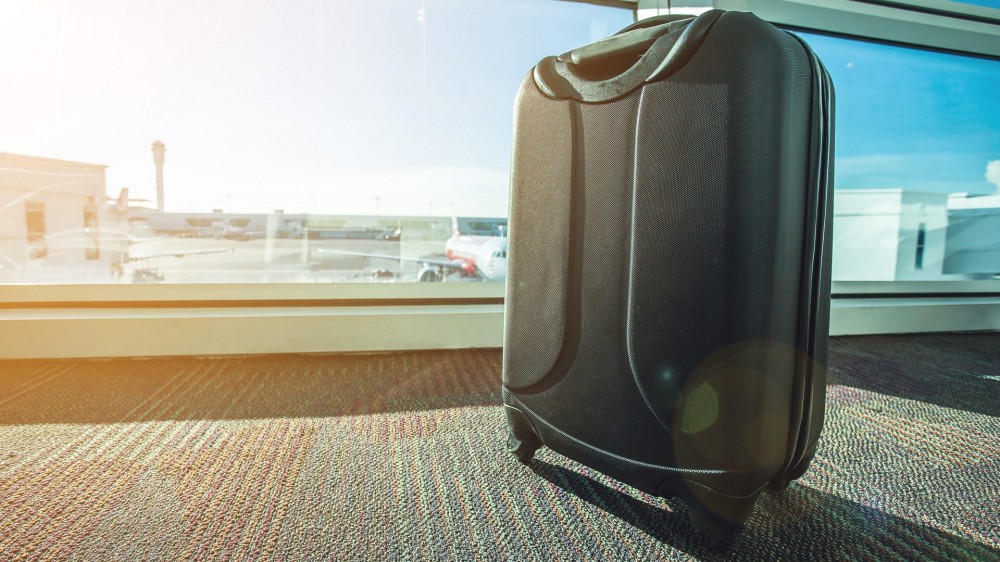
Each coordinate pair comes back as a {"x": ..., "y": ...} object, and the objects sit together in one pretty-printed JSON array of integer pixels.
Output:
[
  {"x": 148, "y": 274},
  {"x": 472, "y": 256},
  {"x": 483, "y": 256},
  {"x": 123, "y": 200}
]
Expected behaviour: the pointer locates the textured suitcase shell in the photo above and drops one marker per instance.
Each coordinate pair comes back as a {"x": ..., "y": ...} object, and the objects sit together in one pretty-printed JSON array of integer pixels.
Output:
[{"x": 668, "y": 266}]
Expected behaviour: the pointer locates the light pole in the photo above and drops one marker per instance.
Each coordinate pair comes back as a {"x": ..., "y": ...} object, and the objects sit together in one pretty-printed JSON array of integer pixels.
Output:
[{"x": 158, "y": 151}]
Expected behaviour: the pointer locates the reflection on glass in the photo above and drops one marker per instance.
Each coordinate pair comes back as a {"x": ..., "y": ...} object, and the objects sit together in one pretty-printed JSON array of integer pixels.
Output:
[
  {"x": 217, "y": 142},
  {"x": 917, "y": 163}
]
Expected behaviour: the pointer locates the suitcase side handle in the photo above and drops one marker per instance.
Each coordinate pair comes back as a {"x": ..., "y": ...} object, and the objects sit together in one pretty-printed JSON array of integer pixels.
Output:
[{"x": 595, "y": 73}]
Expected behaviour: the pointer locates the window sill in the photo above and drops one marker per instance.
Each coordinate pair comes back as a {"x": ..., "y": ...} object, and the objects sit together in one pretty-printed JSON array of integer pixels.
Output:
[
  {"x": 140, "y": 332},
  {"x": 117, "y": 332}
]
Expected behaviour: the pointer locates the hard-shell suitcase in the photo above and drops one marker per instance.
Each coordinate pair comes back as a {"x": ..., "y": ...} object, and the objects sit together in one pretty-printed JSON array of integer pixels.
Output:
[{"x": 668, "y": 279}]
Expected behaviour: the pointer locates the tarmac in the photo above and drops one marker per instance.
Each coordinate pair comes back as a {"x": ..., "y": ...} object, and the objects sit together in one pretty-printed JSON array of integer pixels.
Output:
[{"x": 210, "y": 260}]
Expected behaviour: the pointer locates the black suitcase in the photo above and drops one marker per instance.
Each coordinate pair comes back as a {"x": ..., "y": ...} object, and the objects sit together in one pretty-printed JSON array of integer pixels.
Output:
[{"x": 667, "y": 302}]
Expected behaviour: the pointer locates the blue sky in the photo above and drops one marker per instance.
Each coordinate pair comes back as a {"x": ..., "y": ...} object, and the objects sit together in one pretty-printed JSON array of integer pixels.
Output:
[
  {"x": 913, "y": 119},
  {"x": 405, "y": 105}
]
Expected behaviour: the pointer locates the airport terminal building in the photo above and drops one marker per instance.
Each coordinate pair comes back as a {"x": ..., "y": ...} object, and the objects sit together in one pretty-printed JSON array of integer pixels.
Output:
[{"x": 51, "y": 211}]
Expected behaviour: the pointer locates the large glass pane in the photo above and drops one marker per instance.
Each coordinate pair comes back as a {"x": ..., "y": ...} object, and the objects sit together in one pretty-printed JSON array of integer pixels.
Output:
[
  {"x": 228, "y": 141},
  {"x": 917, "y": 162}
]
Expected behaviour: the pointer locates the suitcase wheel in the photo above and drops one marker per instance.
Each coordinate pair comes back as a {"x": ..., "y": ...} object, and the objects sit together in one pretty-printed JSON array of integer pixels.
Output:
[
  {"x": 522, "y": 440},
  {"x": 719, "y": 518},
  {"x": 719, "y": 533},
  {"x": 524, "y": 451}
]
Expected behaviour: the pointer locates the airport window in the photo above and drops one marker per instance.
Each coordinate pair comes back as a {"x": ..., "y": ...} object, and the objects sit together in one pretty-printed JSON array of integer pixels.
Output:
[
  {"x": 231, "y": 161},
  {"x": 283, "y": 143},
  {"x": 233, "y": 203}
]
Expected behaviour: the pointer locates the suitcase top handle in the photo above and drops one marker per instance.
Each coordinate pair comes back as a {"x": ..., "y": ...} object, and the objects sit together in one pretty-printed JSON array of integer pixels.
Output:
[
  {"x": 643, "y": 52},
  {"x": 628, "y": 43}
]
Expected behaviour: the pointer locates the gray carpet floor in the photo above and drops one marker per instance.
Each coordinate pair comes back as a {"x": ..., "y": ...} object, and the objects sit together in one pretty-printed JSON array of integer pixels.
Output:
[{"x": 400, "y": 457}]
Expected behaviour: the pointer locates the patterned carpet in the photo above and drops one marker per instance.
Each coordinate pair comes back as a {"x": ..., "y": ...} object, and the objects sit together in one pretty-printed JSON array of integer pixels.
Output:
[{"x": 400, "y": 457}]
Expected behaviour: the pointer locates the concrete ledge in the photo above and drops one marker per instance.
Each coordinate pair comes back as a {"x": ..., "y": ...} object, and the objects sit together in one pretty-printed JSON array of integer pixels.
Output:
[
  {"x": 125, "y": 332},
  {"x": 903, "y": 316},
  {"x": 54, "y": 333}
]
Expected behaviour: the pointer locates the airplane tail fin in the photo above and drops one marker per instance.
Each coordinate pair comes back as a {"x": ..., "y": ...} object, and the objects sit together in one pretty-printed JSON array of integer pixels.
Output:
[
  {"x": 454, "y": 226},
  {"x": 122, "y": 203}
]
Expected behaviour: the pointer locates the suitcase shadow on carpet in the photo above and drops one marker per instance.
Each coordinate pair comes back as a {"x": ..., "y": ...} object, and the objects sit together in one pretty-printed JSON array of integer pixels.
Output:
[{"x": 801, "y": 523}]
